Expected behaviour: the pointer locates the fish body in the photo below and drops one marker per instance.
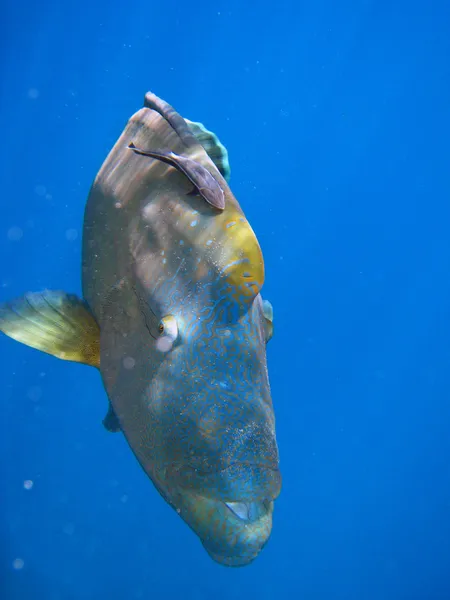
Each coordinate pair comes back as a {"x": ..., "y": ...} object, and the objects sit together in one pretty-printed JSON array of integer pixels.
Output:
[{"x": 175, "y": 322}]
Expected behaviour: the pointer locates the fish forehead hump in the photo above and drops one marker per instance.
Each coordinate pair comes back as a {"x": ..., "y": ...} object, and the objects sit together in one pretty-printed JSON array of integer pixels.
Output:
[{"x": 121, "y": 188}]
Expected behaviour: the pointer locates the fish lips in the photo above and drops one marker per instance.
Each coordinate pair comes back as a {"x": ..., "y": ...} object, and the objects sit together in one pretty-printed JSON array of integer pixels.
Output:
[
  {"x": 233, "y": 533},
  {"x": 251, "y": 529},
  {"x": 238, "y": 482},
  {"x": 230, "y": 510}
]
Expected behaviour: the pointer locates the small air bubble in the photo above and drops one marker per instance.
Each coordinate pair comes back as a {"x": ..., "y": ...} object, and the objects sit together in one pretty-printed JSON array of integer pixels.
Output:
[
  {"x": 71, "y": 235},
  {"x": 34, "y": 393},
  {"x": 69, "y": 529},
  {"x": 40, "y": 190},
  {"x": 15, "y": 234},
  {"x": 129, "y": 362},
  {"x": 28, "y": 484},
  {"x": 164, "y": 344},
  {"x": 18, "y": 564}
]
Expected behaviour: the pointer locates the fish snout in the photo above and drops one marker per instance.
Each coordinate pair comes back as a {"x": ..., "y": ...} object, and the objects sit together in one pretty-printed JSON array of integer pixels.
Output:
[
  {"x": 233, "y": 533},
  {"x": 240, "y": 482},
  {"x": 248, "y": 531}
]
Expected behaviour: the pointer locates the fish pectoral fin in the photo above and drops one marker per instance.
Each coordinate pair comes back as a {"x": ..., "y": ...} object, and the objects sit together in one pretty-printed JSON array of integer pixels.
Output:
[
  {"x": 213, "y": 147},
  {"x": 57, "y": 323},
  {"x": 268, "y": 317},
  {"x": 111, "y": 422}
]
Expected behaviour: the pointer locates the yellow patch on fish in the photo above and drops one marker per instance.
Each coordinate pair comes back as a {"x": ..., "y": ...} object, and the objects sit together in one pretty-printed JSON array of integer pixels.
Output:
[{"x": 241, "y": 256}]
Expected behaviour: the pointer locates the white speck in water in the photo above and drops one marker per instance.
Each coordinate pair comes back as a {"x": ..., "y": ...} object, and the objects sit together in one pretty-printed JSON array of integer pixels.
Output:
[
  {"x": 40, "y": 190},
  {"x": 71, "y": 235},
  {"x": 209, "y": 242},
  {"x": 28, "y": 484},
  {"x": 181, "y": 242},
  {"x": 164, "y": 343},
  {"x": 34, "y": 393},
  {"x": 18, "y": 564},
  {"x": 164, "y": 260},
  {"x": 15, "y": 234},
  {"x": 33, "y": 93},
  {"x": 118, "y": 204},
  {"x": 129, "y": 362},
  {"x": 193, "y": 223},
  {"x": 162, "y": 252}
]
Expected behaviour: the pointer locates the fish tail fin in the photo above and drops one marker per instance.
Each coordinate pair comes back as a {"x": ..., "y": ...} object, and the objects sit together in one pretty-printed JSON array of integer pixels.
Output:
[
  {"x": 214, "y": 148},
  {"x": 54, "y": 322}
]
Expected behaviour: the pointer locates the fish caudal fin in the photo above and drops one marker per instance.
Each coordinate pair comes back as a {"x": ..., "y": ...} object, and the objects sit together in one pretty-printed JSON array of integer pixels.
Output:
[
  {"x": 57, "y": 323},
  {"x": 213, "y": 147}
]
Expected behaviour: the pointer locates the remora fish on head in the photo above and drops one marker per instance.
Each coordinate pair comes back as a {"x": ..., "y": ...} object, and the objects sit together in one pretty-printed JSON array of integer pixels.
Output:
[{"x": 173, "y": 318}]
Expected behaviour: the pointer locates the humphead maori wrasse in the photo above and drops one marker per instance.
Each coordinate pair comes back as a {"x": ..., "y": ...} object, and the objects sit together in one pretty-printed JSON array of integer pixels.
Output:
[{"x": 173, "y": 318}]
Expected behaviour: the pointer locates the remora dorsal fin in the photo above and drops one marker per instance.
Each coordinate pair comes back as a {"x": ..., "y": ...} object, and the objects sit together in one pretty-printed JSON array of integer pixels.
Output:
[
  {"x": 200, "y": 177},
  {"x": 57, "y": 323},
  {"x": 214, "y": 148}
]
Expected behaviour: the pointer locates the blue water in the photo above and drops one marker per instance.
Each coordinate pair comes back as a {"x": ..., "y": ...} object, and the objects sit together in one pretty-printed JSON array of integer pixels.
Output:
[{"x": 336, "y": 117}]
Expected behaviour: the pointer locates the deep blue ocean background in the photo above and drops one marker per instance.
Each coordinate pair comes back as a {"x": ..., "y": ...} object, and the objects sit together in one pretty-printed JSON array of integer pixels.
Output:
[{"x": 336, "y": 116}]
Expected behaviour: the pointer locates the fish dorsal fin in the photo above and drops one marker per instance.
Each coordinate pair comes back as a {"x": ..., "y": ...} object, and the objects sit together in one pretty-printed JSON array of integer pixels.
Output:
[
  {"x": 175, "y": 120},
  {"x": 214, "y": 148}
]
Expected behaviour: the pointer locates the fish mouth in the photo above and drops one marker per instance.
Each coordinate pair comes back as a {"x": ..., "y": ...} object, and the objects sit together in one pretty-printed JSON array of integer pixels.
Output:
[
  {"x": 248, "y": 511},
  {"x": 231, "y": 514},
  {"x": 251, "y": 523}
]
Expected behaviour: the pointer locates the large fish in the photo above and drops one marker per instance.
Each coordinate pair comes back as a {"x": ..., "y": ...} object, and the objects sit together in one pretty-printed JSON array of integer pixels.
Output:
[{"x": 173, "y": 318}]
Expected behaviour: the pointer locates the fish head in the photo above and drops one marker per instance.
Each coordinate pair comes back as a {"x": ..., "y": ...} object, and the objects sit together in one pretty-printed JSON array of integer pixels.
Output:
[
  {"x": 202, "y": 423},
  {"x": 220, "y": 453}
]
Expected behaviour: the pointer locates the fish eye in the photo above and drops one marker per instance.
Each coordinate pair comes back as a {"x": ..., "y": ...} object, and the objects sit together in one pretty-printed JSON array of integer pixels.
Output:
[{"x": 168, "y": 327}]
